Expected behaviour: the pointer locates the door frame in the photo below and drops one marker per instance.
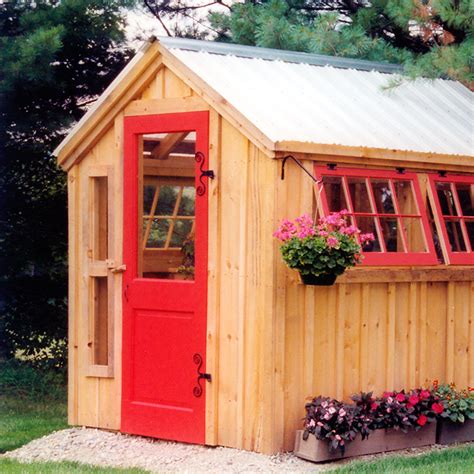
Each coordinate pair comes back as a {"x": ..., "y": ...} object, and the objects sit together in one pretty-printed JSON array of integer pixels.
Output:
[{"x": 134, "y": 126}]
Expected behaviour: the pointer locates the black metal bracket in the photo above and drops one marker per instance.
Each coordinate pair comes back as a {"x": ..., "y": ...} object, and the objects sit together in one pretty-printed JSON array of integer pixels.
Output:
[
  {"x": 400, "y": 170},
  {"x": 197, "y": 390},
  {"x": 200, "y": 158},
  {"x": 298, "y": 162},
  {"x": 442, "y": 173}
]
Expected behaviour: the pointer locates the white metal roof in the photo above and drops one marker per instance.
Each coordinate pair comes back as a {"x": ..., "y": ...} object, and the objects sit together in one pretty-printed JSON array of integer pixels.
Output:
[{"x": 302, "y": 98}]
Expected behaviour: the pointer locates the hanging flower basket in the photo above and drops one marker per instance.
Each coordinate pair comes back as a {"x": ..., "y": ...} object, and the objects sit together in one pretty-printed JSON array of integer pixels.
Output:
[
  {"x": 325, "y": 279},
  {"x": 321, "y": 252}
]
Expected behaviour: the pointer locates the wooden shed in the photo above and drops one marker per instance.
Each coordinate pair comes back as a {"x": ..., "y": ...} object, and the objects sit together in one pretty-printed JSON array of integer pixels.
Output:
[{"x": 184, "y": 323}]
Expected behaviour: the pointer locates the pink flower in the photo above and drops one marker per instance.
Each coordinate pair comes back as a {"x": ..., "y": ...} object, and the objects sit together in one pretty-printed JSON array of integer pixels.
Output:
[
  {"x": 332, "y": 410},
  {"x": 342, "y": 412},
  {"x": 312, "y": 423},
  {"x": 387, "y": 394},
  {"x": 338, "y": 437},
  {"x": 424, "y": 394},
  {"x": 374, "y": 406},
  {"x": 400, "y": 397},
  {"x": 323, "y": 233},
  {"x": 332, "y": 242},
  {"x": 437, "y": 408},
  {"x": 413, "y": 400},
  {"x": 351, "y": 230},
  {"x": 364, "y": 238},
  {"x": 422, "y": 420}
]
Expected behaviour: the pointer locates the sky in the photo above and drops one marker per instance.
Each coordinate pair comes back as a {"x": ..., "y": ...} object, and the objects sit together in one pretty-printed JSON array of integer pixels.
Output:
[{"x": 142, "y": 24}]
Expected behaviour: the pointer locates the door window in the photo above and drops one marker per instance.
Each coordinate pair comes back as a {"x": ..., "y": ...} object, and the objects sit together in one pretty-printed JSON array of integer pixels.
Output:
[{"x": 167, "y": 211}]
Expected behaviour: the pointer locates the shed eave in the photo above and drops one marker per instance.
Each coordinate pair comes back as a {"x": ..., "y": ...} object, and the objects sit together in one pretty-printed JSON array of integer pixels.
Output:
[{"x": 408, "y": 156}]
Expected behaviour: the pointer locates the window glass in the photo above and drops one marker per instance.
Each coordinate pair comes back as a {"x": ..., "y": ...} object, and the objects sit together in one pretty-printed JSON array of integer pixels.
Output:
[
  {"x": 446, "y": 199},
  {"x": 456, "y": 239},
  {"x": 412, "y": 227},
  {"x": 391, "y": 231},
  {"x": 405, "y": 197},
  {"x": 335, "y": 196},
  {"x": 368, "y": 225},
  {"x": 466, "y": 198},
  {"x": 383, "y": 196},
  {"x": 470, "y": 232},
  {"x": 359, "y": 195}
]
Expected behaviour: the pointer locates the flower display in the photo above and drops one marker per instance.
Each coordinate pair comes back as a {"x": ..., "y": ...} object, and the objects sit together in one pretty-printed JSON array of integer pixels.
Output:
[
  {"x": 328, "y": 247},
  {"x": 339, "y": 423}
]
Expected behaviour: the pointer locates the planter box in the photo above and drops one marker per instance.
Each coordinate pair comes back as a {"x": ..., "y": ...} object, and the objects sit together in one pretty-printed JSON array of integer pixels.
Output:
[
  {"x": 449, "y": 432},
  {"x": 379, "y": 441}
]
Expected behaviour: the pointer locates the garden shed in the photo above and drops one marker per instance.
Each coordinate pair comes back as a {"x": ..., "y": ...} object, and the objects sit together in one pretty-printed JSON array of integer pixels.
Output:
[{"x": 184, "y": 322}]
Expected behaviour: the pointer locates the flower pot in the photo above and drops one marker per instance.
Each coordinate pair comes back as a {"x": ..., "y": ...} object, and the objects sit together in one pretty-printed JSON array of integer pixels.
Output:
[
  {"x": 326, "y": 279},
  {"x": 379, "y": 441},
  {"x": 449, "y": 432}
]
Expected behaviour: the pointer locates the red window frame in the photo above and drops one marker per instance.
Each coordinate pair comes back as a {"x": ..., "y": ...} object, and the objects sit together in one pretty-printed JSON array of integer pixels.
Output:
[
  {"x": 383, "y": 257},
  {"x": 451, "y": 257}
]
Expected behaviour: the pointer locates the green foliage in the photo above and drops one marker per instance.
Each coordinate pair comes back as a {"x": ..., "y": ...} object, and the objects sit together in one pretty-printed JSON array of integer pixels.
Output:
[
  {"x": 449, "y": 460},
  {"x": 458, "y": 404},
  {"x": 312, "y": 256},
  {"x": 10, "y": 466},
  {"x": 432, "y": 41},
  {"x": 55, "y": 58}
]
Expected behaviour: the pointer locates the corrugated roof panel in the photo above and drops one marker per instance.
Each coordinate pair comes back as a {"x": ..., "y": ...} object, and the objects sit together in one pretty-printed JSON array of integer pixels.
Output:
[{"x": 291, "y": 101}]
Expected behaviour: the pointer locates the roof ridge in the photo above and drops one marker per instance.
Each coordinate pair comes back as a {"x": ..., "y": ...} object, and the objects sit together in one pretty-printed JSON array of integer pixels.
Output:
[{"x": 278, "y": 55}]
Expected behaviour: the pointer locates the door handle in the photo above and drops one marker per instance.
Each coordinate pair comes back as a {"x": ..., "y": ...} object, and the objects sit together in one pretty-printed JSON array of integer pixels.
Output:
[
  {"x": 197, "y": 390},
  {"x": 115, "y": 268},
  {"x": 119, "y": 269}
]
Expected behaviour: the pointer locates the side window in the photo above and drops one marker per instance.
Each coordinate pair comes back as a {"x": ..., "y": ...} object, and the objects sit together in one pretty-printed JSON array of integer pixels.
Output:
[
  {"x": 99, "y": 231},
  {"x": 452, "y": 201},
  {"x": 385, "y": 203}
]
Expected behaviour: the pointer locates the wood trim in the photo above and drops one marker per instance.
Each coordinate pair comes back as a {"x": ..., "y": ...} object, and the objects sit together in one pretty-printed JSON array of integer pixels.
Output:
[
  {"x": 106, "y": 371},
  {"x": 407, "y": 274},
  {"x": 427, "y": 159},
  {"x": 239, "y": 121},
  {"x": 165, "y": 106},
  {"x": 73, "y": 314}
]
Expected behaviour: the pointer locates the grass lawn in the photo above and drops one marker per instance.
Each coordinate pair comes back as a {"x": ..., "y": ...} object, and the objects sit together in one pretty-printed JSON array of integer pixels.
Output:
[
  {"x": 22, "y": 420},
  {"x": 8, "y": 466},
  {"x": 450, "y": 460}
]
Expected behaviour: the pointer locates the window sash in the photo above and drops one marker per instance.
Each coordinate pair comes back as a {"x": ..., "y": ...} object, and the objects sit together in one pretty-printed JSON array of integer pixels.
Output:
[
  {"x": 452, "y": 257},
  {"x": 384, "y": 256}
]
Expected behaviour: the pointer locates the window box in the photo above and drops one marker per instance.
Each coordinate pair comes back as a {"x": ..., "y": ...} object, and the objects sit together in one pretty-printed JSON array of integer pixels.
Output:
[
  {"x": 449, "y": 432},
  {"x": 378, "y": 442}
]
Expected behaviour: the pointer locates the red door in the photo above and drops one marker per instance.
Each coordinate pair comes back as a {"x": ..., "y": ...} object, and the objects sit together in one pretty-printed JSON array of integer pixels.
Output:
[{"x": 165, "y": 282}]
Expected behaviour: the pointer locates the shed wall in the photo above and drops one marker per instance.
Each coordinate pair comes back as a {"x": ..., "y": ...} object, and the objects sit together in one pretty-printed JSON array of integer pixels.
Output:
[{"x": 378, "y": 329}]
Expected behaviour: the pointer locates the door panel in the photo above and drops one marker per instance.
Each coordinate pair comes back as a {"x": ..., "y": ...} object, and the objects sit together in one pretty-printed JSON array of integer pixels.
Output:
[{"x": 165, "y": 284}]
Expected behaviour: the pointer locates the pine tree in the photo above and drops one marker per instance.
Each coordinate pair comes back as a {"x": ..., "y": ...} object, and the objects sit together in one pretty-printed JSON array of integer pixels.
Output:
[{"x": 55, "y": 58}]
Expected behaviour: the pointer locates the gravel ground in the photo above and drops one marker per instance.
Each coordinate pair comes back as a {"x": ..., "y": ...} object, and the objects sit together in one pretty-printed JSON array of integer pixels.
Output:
[{"x": 108, "y": 449}]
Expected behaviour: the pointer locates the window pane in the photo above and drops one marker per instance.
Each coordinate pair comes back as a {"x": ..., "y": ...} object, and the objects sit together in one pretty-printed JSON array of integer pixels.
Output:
[
  {"x": 446, "y": 199},
  {"x": 383, "y": 196},
  {"x": 166, "y": 200},
  {"x": 148, "y": 195},
  {"x": 470, "y": 232},
  {"x": 181, "y": 232},
  {"x": 99, "y": 218},
  {"x": 186, "y": 206},
  {"x": 466, "y": 198},
  {"x": 334, "y": 190},
  {"x": 367, "y": 225},
  {"x": 158, "y": 233},
  {"x": 414, "y": 234},
  {"x": 405, "y": 197},
  {"x": 456, "y": 240},
  {"x": 391, "y": 234},
  {"x": 359, "y": 195}
]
